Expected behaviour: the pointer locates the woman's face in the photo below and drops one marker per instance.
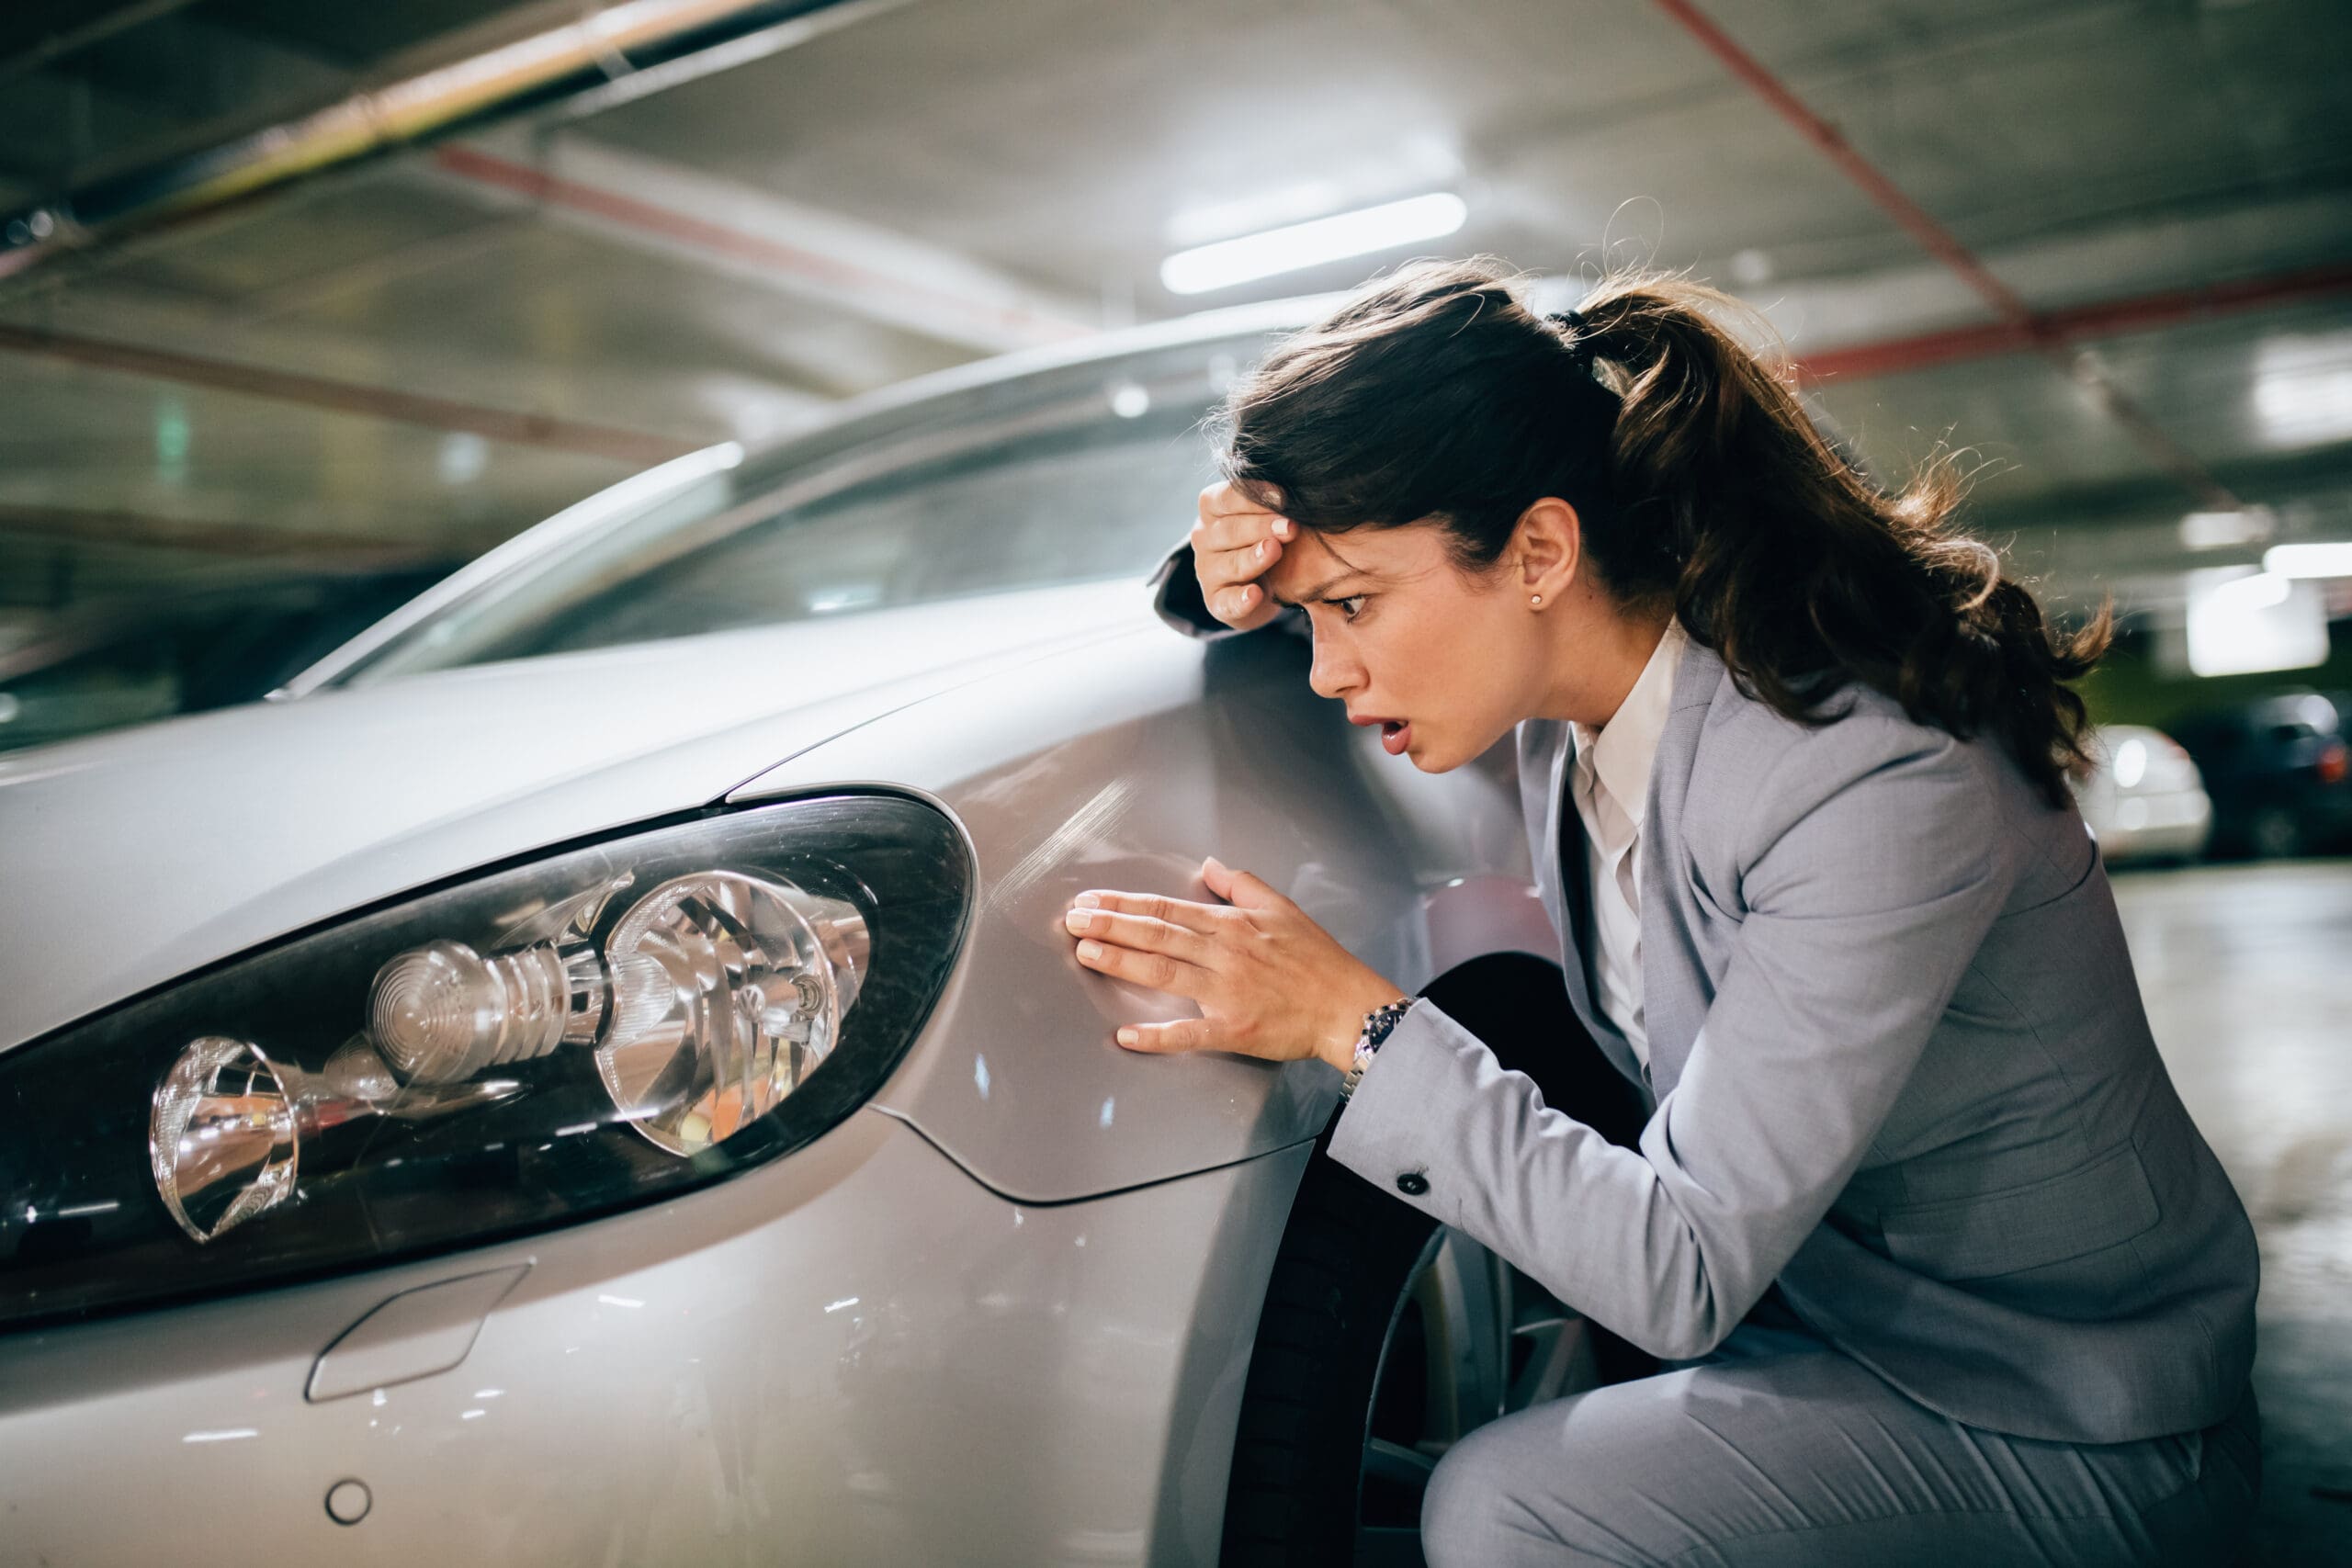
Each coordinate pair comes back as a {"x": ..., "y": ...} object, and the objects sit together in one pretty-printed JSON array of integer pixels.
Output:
[{"x": 1401, "y": 635}]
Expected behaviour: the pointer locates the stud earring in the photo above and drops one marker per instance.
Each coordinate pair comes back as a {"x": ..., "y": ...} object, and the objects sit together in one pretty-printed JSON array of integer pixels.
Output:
[{"x": 1535, "y": 599}]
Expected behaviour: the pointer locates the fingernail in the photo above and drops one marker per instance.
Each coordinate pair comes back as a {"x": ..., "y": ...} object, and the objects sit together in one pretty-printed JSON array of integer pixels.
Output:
[
  {"x": 1261, "y": 549},
  {"x": 1079, "y": 921},
  {"x": 1090, "y": 900},
  {"x": 1282, "y": 527},
  {"x": 1089, "y": 952},
  {"x": 1128, "y": 1037}
]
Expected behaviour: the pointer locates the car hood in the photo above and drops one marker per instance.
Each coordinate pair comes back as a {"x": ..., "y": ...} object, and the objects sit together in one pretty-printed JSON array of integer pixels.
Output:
[{"x": 132, "y": 858}]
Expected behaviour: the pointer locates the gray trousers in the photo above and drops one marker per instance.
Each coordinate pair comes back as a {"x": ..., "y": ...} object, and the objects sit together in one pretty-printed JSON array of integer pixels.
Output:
[{"x": 1778, "y": 1449}]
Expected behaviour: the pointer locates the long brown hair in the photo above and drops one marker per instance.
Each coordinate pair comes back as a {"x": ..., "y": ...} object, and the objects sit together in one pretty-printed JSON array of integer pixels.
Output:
[{"x": 1435, "y": 394}]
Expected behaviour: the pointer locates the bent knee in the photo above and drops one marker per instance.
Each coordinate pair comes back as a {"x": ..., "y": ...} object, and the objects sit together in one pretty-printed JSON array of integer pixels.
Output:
[
  {"x": 1454, "y": 1508},
  {"x": 1487, "y": 1508}
]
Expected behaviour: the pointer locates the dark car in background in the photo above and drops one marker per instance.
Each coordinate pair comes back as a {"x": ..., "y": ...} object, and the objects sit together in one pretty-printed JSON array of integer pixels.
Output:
[
  {"x": 2279, "y": 770},
  {"x": 123, "y": 662}
]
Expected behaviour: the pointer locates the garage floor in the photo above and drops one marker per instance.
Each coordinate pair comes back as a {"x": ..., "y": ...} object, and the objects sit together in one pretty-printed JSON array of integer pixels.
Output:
[{"x": 2247, "y": 973}]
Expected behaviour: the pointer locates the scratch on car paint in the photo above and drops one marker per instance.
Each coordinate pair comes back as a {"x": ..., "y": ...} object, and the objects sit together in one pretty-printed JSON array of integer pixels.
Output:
[{"x": 1092, "y": 822}]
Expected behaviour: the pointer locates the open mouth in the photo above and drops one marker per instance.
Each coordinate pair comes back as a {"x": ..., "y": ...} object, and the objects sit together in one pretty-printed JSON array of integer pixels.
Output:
[{"x": 1396, "y": 734}]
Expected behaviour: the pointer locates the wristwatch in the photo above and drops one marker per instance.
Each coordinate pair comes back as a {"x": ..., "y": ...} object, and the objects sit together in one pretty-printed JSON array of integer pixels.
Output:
[{"x": 1376, "y": 1026}]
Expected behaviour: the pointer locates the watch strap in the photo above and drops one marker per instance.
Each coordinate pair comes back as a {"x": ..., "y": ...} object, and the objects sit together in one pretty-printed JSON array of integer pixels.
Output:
[{"x": 1377, "y": 1025}]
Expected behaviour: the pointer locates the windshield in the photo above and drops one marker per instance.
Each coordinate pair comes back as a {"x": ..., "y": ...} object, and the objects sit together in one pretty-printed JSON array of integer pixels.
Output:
[{"x": 1038, "y": 486}]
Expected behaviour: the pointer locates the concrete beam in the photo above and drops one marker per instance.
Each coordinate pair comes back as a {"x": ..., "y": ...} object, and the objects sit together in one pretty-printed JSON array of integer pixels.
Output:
[
  {"x": 83, "y": 527},
  {"x": 721, "y": 225},
  {"x": 318, "y": 391}
]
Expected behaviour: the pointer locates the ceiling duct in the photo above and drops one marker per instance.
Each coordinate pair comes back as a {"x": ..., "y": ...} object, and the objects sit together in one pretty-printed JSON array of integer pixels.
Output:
[{"x": 619, "y": 52}]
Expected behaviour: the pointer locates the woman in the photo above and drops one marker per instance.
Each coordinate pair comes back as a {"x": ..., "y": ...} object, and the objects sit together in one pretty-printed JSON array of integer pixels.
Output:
[{"x": 1941, "y": 1269}]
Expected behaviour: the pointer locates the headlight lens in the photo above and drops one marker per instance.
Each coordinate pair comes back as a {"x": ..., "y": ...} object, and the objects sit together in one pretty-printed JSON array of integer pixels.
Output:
[{"x": 553, "y": 1042}]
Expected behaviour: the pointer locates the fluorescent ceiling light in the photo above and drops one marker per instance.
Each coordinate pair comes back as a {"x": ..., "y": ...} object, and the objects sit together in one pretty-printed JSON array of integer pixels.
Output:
[
  {"x": 2302, "y": 389},
  {"x": 2243, "y": 622},
  {"x": 1343, "y": 234},
  {"x": 2332, "y": 559},
  {"x": 2227, "y": 530},
  {"x": 2259, "y": 592}
]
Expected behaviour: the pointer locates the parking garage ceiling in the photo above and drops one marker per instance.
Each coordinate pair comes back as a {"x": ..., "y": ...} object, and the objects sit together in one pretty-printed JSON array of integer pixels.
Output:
[{"x": 2105, "y": 246}]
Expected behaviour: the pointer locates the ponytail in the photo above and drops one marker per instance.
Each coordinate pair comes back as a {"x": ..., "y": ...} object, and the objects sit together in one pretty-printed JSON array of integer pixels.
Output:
[{"x": 1435, "y": 393}]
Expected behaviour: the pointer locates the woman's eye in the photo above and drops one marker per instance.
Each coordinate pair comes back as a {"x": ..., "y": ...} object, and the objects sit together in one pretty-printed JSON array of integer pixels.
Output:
[{"x": 1345, "y": 613}]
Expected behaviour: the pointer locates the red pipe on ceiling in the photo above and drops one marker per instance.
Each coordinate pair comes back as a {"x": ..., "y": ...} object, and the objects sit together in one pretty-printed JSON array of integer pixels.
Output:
[
  {"x": 2016, "y": 319},
  {"x": 2145, "y": 313}
]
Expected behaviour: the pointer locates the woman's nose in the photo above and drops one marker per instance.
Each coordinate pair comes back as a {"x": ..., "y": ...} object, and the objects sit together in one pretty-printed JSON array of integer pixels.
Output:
[{"x": 1330, "y": 676}]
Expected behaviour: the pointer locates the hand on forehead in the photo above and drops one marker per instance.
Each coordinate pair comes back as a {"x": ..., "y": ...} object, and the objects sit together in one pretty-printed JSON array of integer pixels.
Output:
[
  {"x": 1306, "y": 561},
  {"x": 1365, "y": 557}
]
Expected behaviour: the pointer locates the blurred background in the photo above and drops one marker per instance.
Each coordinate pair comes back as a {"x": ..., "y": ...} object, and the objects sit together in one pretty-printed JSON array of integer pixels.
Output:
[
  {"x": 260, "y": 384},
  {"x": 302, "y": 307}
]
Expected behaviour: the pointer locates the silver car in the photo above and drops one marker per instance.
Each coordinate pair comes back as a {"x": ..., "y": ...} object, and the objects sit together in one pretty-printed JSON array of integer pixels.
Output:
[
  {"x": 593, "y": 1072},
  {"x": 2144, "y": 798}
]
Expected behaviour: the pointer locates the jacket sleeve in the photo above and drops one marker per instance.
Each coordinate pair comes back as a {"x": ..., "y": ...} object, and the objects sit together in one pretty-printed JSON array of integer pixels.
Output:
[
  {"x": 1874, "y": 863},
  {"x": 1178, "y": 601}
]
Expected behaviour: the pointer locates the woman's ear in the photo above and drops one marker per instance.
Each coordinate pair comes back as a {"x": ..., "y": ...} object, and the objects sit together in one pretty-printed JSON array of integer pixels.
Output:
[{"x": 1548, "y": 548}]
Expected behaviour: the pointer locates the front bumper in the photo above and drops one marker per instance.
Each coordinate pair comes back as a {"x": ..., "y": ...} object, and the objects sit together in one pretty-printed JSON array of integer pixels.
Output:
[{"x": 857, "y": 1354}]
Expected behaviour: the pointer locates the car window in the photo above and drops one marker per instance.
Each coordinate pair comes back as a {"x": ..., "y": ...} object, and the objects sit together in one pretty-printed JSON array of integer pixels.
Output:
[{"x": 1054, "y": 497}]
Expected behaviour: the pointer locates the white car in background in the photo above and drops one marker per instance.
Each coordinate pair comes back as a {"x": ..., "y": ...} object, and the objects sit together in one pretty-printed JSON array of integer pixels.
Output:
[
  {"x": 595, "y": 1073},
  {"x": 2143, "y": 799}
]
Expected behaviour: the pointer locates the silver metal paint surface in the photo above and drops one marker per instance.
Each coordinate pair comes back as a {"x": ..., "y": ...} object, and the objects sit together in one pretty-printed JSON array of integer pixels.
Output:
[
  {"x": 204, "y": 836},
  {"x": 412, "y": 1335},
  {"x": 854, "y": 1355},
  {"x": 1122, "y": 766}
]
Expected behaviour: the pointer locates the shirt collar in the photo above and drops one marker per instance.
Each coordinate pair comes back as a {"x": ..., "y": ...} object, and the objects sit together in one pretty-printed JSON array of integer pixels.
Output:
[{"x": 1622, "y": 748}]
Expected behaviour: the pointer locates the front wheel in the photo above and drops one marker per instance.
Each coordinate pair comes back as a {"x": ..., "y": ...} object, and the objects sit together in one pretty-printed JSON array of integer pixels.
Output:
[{"x": 1385, "y": 1337}]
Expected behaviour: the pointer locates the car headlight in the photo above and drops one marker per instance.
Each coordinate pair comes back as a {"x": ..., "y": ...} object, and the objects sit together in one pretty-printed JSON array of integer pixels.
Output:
[{"x": 559, "y": 1040}]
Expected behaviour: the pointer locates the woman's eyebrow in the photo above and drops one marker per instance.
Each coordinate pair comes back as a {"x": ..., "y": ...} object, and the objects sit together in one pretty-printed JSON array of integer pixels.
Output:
[{"x": 1316, "y": 591}]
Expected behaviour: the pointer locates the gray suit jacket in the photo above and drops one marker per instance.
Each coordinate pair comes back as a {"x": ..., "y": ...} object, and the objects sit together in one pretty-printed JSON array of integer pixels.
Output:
[{"x": 1900, "y": 1066}]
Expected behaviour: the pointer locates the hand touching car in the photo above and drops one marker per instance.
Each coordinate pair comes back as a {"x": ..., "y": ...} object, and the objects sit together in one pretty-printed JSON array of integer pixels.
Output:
[
  {"x": 1270, "y": 982},
  {"x": 1233, "y": 545}
]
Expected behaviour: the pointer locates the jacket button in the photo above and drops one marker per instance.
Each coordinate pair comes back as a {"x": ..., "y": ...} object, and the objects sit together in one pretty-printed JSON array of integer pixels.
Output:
[{"x": 1413, "y": 1183}]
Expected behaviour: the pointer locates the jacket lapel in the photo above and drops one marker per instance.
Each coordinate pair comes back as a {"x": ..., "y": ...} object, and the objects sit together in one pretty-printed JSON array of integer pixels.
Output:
[
  {"x": 1565, "y": 856},
  {"x": 1674, "y": 986}
]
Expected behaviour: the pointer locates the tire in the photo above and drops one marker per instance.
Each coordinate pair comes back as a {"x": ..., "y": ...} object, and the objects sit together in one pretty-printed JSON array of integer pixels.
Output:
[
  {"x": 1338, "y": 1286},
  {"x": 1386, "y": 1336}
]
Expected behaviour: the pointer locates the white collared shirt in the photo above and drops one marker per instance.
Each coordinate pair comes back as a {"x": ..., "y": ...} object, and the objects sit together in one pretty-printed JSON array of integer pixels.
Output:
[{"x": 1620, "y": 754}]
